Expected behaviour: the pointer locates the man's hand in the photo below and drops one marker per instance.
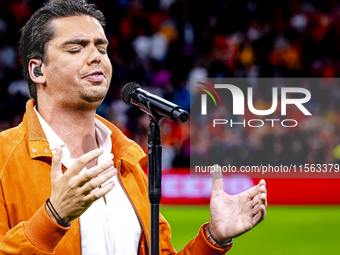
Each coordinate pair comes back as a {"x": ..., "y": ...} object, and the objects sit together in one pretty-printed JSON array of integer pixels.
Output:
[
  {"x": 73, "y": 192},
  {"x": 231, "y": 216}
]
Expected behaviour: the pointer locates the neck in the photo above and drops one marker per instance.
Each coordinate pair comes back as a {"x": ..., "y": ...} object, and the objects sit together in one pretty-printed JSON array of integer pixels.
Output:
[{"x": 76, "y": 127}]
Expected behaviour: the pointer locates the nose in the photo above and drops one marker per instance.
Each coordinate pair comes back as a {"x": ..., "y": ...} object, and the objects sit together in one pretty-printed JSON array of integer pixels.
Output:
[{"x": 94, "y": 57}]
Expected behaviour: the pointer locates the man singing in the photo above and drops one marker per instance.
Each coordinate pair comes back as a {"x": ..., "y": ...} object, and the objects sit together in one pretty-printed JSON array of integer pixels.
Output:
[{"x": 70, "y": 180}]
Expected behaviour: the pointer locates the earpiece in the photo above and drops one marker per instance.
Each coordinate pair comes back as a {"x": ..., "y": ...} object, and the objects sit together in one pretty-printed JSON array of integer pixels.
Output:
[{"x": 37, "y": 71}]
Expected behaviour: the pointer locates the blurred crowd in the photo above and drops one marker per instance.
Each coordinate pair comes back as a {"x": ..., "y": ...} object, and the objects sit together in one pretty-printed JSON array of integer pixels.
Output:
[{"x": 161, "y": 44}]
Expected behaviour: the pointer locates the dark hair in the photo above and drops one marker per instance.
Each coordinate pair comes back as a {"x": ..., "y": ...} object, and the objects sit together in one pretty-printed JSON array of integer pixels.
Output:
[{"x": 38, "y": 31}]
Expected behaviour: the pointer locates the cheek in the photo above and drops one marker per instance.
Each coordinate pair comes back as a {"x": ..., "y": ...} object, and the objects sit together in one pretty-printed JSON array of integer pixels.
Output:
[
  {"x": 67, "y": 71},
  {"x": 61, "y": 75},
  {"x": 107, "y": 65}
]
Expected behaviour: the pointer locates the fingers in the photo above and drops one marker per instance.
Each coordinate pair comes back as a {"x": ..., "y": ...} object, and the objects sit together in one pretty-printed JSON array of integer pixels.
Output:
[
  {"x": 261, "y": 197},
  {"x": 56, "y": 164},
  {"x": 93, "y": 172},
  {"x": 217, "y": 180},
  {"x": 263, "y": 192},
  {"x": 262, "y": 187},
  {"x": 98, "y": 181},
  {"x": 252, "y": 192},
  {"x": 260, "y": 215},
  {"x": 81, "y": 162},
  {"x": 100, "y": 192},
  {"x": 257, "y": 205},
  {"x": 262, "y": 182},
  {"x": 260, "y": 203},
  {"x": 78, "y": 189}
]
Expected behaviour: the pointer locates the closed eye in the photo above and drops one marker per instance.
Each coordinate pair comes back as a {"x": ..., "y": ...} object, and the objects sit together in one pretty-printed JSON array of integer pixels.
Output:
[
  {"x": 73, "y": 51},
  {"x": 103, "y": 51}
]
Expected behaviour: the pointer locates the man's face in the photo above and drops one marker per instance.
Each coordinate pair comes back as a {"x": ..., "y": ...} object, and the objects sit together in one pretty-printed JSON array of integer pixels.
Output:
[{"x": 78, "y": 71}]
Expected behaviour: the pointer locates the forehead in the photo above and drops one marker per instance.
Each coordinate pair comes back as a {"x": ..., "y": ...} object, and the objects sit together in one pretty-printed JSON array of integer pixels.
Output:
[{"x": 75, "y": 27}]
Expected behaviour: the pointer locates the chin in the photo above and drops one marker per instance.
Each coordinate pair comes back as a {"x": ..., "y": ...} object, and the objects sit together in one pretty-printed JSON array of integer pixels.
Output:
[
  {"x": 87, "y": 104},
  {"x": 94, "y": 99},
  {"x": 97, "y": 94}
]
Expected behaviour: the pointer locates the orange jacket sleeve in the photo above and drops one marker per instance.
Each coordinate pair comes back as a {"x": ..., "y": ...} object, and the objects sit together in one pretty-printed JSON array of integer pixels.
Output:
[
  {"x": 198, "y": 245},
  {"x": 39, "y": 235}
]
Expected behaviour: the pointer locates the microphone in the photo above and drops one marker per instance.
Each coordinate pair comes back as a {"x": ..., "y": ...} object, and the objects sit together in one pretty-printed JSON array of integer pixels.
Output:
[{"x": 133, "y": 94}]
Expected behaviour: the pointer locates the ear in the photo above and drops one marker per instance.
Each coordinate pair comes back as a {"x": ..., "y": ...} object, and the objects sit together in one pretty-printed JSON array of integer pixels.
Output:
[{"x": 36, "y": 79}]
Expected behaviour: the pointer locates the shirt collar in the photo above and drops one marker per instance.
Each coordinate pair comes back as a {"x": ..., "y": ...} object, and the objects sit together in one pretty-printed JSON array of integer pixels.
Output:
[{"x": 103, "y": 134}]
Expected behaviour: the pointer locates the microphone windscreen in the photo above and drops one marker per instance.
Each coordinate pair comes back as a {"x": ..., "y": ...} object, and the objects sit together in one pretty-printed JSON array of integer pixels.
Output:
[{"x": 126, "y": 90}]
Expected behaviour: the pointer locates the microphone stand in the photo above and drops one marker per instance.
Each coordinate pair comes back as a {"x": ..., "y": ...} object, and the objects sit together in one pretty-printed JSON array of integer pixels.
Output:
[
  {"x": 156, "y": 108},
  {"x": 154, "y": 179},
  {"x": 155, "y": 169}
]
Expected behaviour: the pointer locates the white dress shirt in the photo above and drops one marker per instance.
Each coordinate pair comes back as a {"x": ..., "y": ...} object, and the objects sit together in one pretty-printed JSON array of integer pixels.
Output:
[{"x": 106, "y": 229}]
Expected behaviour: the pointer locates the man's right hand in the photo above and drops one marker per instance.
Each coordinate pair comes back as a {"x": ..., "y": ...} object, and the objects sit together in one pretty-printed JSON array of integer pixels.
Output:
[{"x": 73, "y": 192}]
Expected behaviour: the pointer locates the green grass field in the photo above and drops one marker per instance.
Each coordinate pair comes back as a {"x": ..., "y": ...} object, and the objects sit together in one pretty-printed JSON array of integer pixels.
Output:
[{"x": 298, "y": 230}]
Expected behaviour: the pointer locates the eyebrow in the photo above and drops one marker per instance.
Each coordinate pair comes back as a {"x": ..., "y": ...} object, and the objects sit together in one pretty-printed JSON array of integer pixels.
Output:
[{"x": 85, "y": 42}]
